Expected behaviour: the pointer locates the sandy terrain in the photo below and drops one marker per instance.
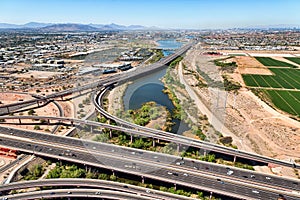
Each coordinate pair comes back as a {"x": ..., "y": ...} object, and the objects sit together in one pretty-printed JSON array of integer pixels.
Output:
[
  {"x": 115, "y": 98},
  {"x": 49, "y": 110},
  {"x": 258, "y": 127},
  {"x": 38, "y": 74},
  {"x": 249, "y": 65}
]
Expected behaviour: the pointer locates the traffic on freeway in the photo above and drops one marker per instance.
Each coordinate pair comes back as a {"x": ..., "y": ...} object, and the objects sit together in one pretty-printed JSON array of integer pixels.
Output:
[{"x": 153, "y": 165}]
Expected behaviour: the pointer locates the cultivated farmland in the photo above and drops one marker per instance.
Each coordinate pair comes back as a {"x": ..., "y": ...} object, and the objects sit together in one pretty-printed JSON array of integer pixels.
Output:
[
  {"x": 288, "y": 101},
  {"x": 281, "y": 78},
  {"x": 294, "y": 59},
  {"x": 282, "y": 87},
  {"x": 266, "y": 61}
]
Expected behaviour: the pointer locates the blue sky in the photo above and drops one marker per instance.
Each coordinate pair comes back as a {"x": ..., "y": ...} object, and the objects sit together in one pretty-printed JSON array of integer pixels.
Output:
[{"x": 161, "y": 13}]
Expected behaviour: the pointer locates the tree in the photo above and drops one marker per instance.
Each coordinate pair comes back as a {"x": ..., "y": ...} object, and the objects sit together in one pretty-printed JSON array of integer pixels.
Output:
[
  {"x": 103, "y": 176},
  {"x": 104, "y": 137},
  {"x": 37, "y": 127},
  {"x": 113, "y": 178},
  {"x": 31, "y": 112}
]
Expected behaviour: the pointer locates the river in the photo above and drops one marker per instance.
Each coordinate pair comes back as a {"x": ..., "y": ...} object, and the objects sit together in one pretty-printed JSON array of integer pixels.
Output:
[{"x": 149, "y": 88}]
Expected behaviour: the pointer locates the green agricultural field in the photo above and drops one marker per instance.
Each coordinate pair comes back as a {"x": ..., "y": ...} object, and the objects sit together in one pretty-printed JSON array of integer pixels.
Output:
[
  {"x": 282, "y": 78},
  {"x": 277, "y": 84},
  {"x": 294, "y": 59},
  {"x": 288, "y": 101},
  {"x": 266, "y": 61}
]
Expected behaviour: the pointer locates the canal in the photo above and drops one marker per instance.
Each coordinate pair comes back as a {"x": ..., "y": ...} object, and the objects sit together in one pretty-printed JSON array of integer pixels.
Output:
[{"x": 150, "y": 88}]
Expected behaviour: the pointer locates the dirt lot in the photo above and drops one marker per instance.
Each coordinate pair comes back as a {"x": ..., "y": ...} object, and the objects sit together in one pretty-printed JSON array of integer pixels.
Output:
[
  {"x": 49, "y": 110},
  {"x": 38, "y": 74},
  {"x": 249, "y": 65}
]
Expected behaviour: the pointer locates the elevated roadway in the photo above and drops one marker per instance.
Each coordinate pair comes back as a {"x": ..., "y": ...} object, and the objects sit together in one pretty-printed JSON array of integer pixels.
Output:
[
  {"x": 165, "y": 136},
  {"x": 79, "y": 193},
  {"x": 97, "y": 185},
  {"x": 190, "y": 173}
]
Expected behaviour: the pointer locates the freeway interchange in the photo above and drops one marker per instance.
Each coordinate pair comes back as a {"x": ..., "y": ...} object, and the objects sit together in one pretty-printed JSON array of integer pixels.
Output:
[
  {"x": 232, "y": 182},
  {"x": 196, "y": 174}
]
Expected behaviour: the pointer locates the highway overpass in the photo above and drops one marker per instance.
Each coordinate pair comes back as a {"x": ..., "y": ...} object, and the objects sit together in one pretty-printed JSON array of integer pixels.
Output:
[
  {"x": 161, "y": 135},
  {"x": 99, "y": 189},
  {"x": 190, "y": 173}
]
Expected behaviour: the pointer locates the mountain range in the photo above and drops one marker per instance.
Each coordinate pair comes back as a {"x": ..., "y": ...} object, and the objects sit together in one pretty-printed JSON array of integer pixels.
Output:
[{"x": 72, "y": 27}]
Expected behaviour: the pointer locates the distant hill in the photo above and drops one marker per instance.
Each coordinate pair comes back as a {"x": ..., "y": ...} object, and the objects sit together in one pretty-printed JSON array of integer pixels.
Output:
[
  {"x": 113, "y": 26},
  {"x": 36, "y": 25},
  {"x": 72, "y": 27},
  {"x": 28, "y": 25},
  {"x": 68, "y": 27},
  {"x": 6, "y": 25}
]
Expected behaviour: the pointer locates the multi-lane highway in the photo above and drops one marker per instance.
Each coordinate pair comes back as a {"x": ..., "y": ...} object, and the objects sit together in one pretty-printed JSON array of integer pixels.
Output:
[
  {"x": 200, "y": 175},
  {"x": 99, "y": 187},
  {"x": 79, "y": 193},
  {"x": 156, "y": 134}
]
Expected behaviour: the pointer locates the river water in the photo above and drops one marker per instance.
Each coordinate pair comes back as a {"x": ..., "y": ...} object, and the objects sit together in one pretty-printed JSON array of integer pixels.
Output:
[{"x": 149, "y": 88}]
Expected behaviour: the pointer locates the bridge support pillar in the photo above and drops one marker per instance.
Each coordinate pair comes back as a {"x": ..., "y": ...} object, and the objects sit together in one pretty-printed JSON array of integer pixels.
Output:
[
  {"x": 48, "y": 121},
  {"x": 110, "y": 133},
  {"x": 62, "y": 98},
  {"x": 131, "y": 138},
  {"x": 8, "y": 109},
  {"x": 204, "y": 152},
  {"x": 178, "y": 148},
  {"x": 38, "y": 103},
  {"x": 143, "y": 180},
  {"x": 175, "y": 186},
  {"x": 157, "y": 140},
  {"x": 153, "y": 142},
  {"x": 20, "y": 121},
  {"x": 91, "y": 129},
  {"x": 234, "y": 159},
  {"x": 210, "y": 196},
  {"x": 113, "y": 172}
]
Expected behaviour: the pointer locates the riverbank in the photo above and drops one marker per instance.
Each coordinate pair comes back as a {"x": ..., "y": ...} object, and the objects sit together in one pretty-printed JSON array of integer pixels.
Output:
[
  {"x": 185, "y": 109},
  {"x": 160, "y": 121}
]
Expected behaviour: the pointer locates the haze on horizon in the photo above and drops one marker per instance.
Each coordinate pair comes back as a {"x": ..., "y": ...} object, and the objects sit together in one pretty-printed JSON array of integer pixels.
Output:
[{"x": 196, "y": 14}]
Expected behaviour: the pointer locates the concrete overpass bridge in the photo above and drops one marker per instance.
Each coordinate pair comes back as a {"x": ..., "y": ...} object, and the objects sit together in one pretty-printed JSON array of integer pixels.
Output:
[
  {"x": 99, "y": 189},
  {"x": 155, "y": 166},
  {"x": 180, "y": 141}
]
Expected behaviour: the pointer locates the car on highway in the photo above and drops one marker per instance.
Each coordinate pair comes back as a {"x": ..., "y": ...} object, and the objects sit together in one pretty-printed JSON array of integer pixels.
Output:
[
  {"x": 148, "y": 191},
  {"x": 255, "y": 191},
  {"x": 220, "y": 181},
  {"x": 268, "y": 178},
  {"x": 179, "y": 163},
  {"x": 229, "y": 172},
  {"x": 98, "y": 193},
  {"x": 170, "y": 173}
]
